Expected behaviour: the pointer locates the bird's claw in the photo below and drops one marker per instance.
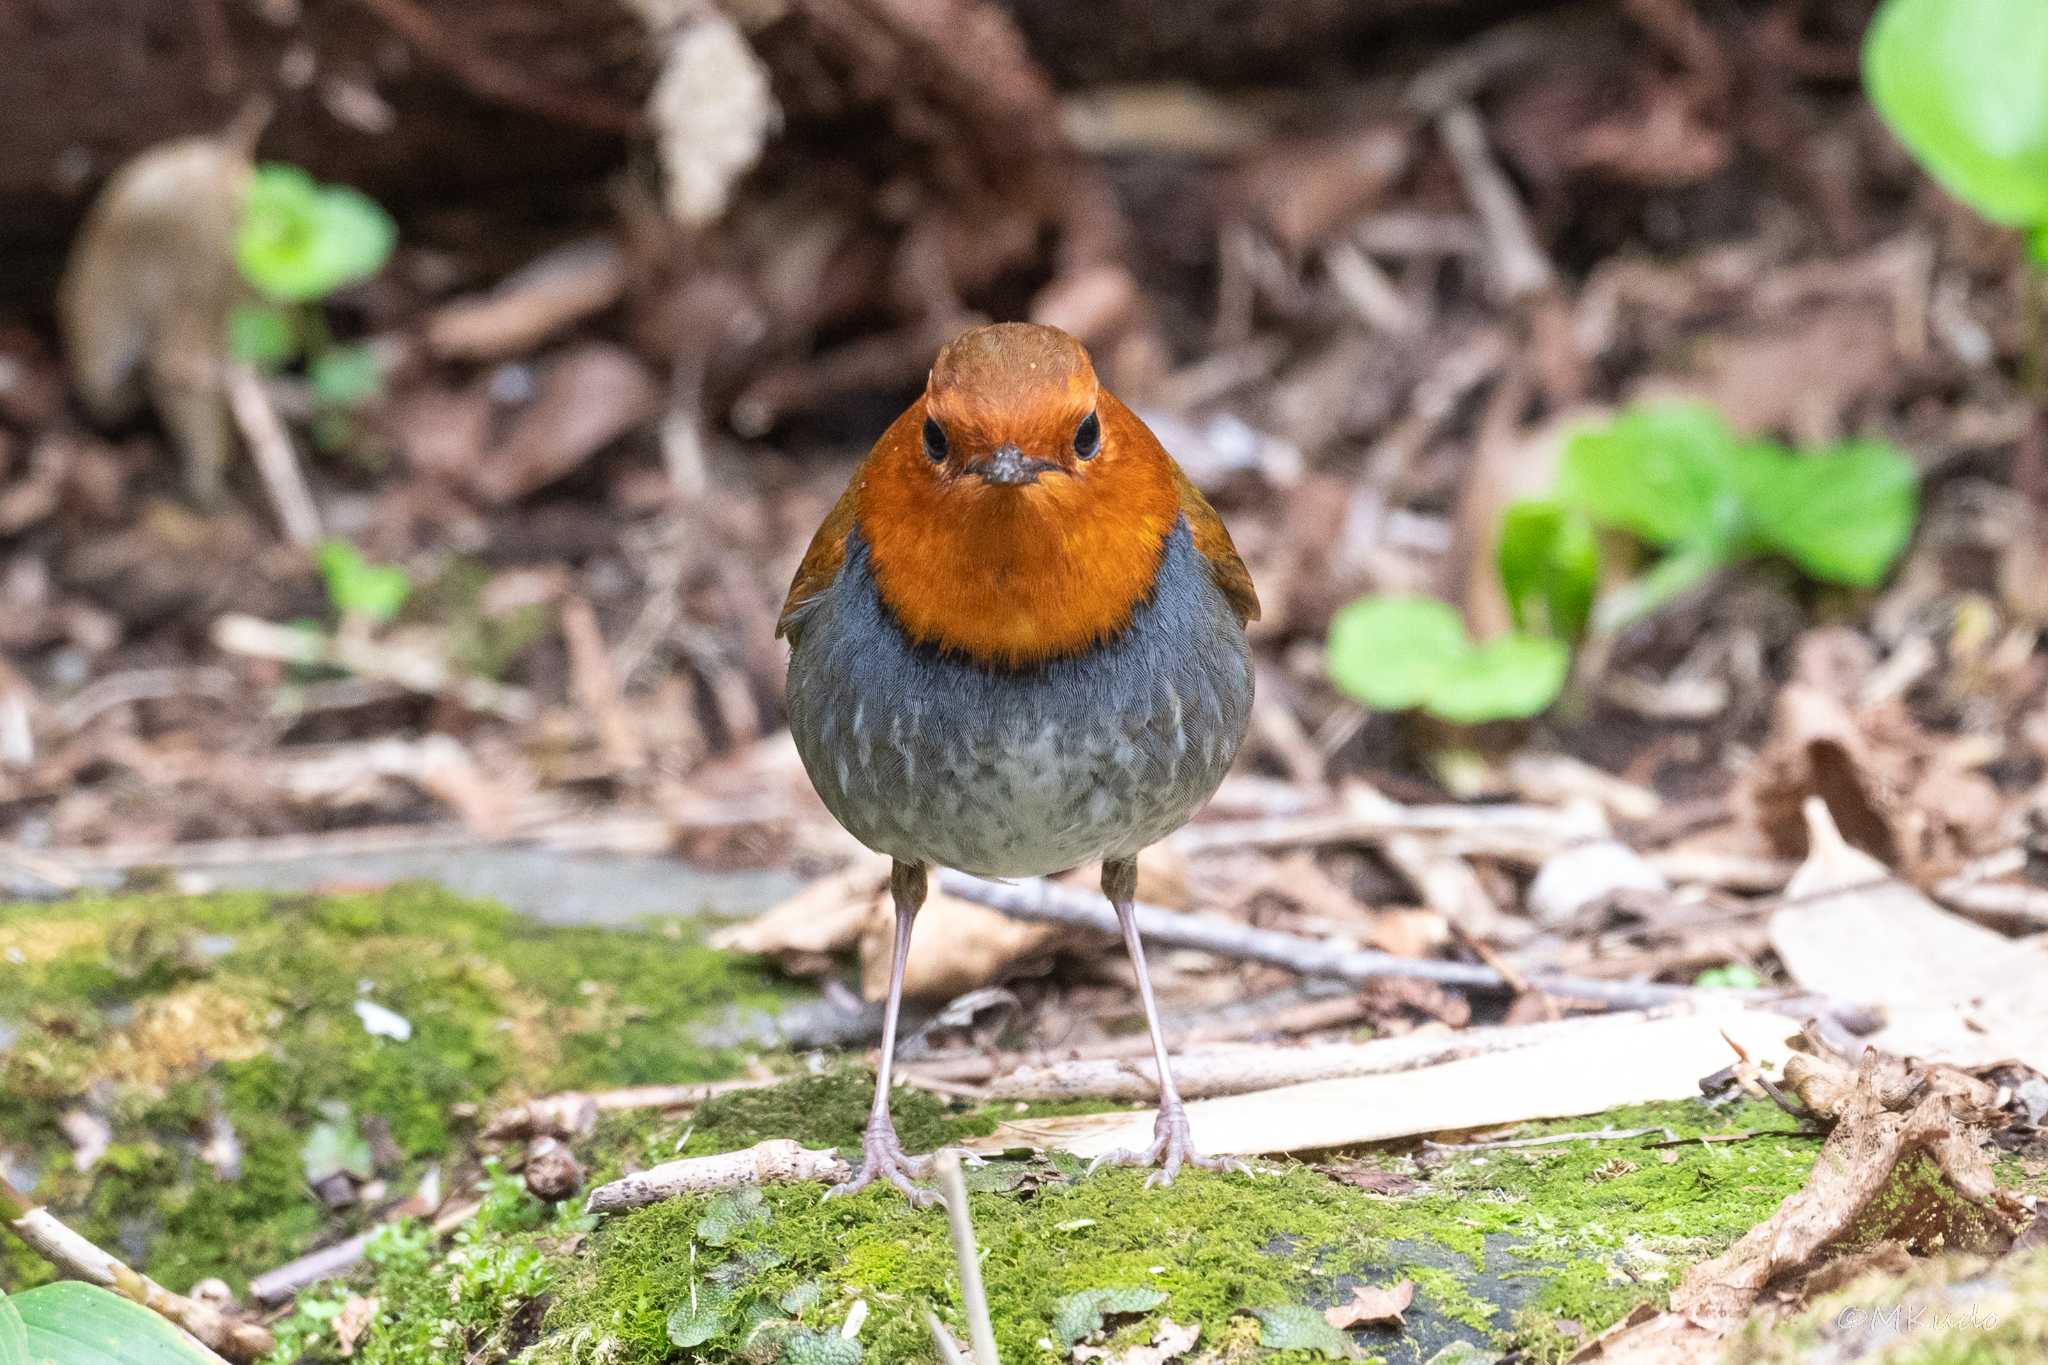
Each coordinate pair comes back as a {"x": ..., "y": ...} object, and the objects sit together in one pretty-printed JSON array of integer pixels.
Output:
[
  {"x": 882, "y": 1156},
  {"x": 1173, "y": 1147}
]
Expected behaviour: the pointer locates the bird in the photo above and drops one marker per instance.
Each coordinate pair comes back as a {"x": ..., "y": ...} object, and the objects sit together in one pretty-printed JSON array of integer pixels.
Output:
[{"x": 1017, "y": 646}]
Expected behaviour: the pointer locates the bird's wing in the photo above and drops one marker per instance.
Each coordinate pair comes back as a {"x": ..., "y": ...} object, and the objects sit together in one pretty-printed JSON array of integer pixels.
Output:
[
  {"x": 822, "y": 560},
  {"x": 1212, "y": 538}
]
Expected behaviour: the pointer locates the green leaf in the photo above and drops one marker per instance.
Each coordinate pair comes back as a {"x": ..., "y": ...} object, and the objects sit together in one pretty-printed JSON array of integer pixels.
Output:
[
  {"x": 1735, "y": 976},
  {"x": 1294, "y": 1327},
  {"x": 13, "y": 1334},
  {"x": 334, "y": 1147},
  {"x": 299, "y": 241},
  {"x": 357, "y": 587},
  {"x": 1391, "y": 652},
  {"x": 71, "y": 1323},
  {"x": 1079, "y": 1316},
  {"x": 731, "y": 1214},
  {"x": 703, "y": 1316},
  {"x": 1549, "y": 563},
  {"x": 1842, "y": 514},
  {"x": 263, "y": 335},
  {"x": 1511, "y": 678},
  {"x": 1964, "y": 84},
  {"x": 820, "y": 1348},
  {"x": 346, "y": 376},
  {"x": 1662, "y": 472},
  {"x": 801, "y": 1297}
]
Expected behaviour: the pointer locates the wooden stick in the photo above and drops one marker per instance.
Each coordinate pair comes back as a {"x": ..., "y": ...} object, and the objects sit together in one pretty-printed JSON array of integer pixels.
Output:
[
  {"x": 777, "y": 1159},
  {"x": 409, "y": 668},
  {"x": 213, "y": 1331},
  {"x": 1046, "y": 902}
]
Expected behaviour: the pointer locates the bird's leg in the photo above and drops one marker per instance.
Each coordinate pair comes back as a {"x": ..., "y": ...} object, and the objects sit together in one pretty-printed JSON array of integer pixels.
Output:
[
  {"x": 1172, "y": 1143},
  {"x": 881, "y": 1153}
]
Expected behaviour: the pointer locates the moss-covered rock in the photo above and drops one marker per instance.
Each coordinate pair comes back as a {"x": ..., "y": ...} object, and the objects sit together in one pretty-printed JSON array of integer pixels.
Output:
[
  {"x": 208, "y": 1037},
  {"x": 1530, "y": 1248}
]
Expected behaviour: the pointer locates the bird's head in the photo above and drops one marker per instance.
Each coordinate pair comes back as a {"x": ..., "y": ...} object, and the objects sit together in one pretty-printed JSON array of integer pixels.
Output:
[
  {"x": 1008, "y": 405},
  {"x": 1017, "y": 511}
]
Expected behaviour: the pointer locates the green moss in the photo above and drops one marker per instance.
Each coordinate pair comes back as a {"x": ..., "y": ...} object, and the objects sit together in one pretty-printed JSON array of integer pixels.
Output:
[
  {"x": 1212, "y": 1244},
  {"x": 1573, "y": 1235},
  {"x": 167, "y": 1014},
  {"x": 1955, "y": 1310},
  {"x": 830, "y": 1110}
]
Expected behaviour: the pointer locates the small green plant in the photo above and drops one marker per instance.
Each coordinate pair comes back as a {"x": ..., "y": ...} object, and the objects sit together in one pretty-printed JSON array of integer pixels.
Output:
[
  {"x": 1412, "y": 653},
  {"x": 358, "y": 589},
  {"x": 70, "y": 1323},
  {"x": 297, "y": 243},
  {"x": 1961, "y": 83},
  {"x": 1673, "y": 476}
]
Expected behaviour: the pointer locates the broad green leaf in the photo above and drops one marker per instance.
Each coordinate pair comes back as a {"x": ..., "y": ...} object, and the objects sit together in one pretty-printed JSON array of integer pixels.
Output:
[
  {"x": 1078, "y": 1316},
  {"x": 1390, "y": 652},
  {"x": 345, "y": 376},
  {"x": 70, "y": 1323},
  {"x": 13, "y": 1334},
  {"x": 1964, "y": 84},
  {"x": 299, "y": 241},
  {"x": 704, "y": 1315},
  {"x": 1549, "y": 563},
  {"x": 820, "y": 1348},
  {"x": 1511, "y": 678},
  {"x": 263, "y": 335},
  {"x": 1842, "y": 514},
  {"x": 357, "y": 587},
  {"x": 731, "y": 1214},
  {"x": 1661, "y": 472},
  {"x": 1296, "y": 1327}
]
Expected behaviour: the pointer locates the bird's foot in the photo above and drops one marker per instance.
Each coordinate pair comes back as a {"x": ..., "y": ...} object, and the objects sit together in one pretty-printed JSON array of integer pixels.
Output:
[
  {"x": 882, "y": 1156},
  {"x": 1173, "y": 1146}
]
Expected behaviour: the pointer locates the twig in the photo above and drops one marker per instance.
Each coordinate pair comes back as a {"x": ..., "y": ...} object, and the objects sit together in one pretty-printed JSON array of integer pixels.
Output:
[
  {"x": 72, "y": 1254},
  {"x": 270, "y": 446},
  {"x": 973, "y": 1298},
  {"x": 778, "y": 1159},
  {"x": 1043, "y": 901},
  {"x": 1517, "y": 833},
  {"x": 492, "y": 79},
  {"x": 597, "y": 687},
  {"x": 411, "y": 669},
  {"x": 1549, "y": 1140},
  {"x": 1520, "y": 270},
  {"x": 942, "y": 1340},
  {"x": 1244, "y": 1069},
  {"x": 274, "y": 1287},
  {"x": 576, "y": 1110}
]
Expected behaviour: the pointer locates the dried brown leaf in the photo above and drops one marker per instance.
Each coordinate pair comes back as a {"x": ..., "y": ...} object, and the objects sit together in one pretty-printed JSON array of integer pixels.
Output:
[{"x": 1370, "y": 1306}]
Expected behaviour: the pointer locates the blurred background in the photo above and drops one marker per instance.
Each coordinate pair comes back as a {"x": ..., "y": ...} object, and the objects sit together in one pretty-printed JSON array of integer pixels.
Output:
[{"x": 412, "y": 411}]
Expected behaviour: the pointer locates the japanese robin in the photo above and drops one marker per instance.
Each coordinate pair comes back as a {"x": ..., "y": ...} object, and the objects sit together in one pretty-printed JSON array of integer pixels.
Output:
[{"x": 1017, "y": 644}]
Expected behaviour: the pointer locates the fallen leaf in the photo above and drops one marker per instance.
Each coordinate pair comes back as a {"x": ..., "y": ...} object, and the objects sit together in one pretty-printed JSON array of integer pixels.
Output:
[
  {"x": 352, "y": 1321},
  {"x": 1588, "y": 1067},
  {"x": 1371, "y": 1307},
  {"x": 1952, "y": 991},
  {"x": 1169, "y": 1343},
  {"x": 588, "y": 397}
]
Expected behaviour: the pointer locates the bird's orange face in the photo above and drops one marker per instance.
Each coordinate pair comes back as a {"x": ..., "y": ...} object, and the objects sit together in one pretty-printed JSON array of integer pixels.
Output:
[
  {"x": 1017, "y": 511},
  {"x": 1007, "y": 407}
]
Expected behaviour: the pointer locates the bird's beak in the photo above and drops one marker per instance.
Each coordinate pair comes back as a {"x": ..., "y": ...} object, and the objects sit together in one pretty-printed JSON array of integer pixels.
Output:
[{"x": 1009, "y": 467}]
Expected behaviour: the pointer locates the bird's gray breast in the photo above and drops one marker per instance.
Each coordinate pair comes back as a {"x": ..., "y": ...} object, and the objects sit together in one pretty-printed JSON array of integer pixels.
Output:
[{"x": 930, "y": 757}]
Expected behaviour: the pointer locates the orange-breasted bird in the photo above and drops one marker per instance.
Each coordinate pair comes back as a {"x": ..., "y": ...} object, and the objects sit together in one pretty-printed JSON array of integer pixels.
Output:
[{"x": 1017, "y": 644}]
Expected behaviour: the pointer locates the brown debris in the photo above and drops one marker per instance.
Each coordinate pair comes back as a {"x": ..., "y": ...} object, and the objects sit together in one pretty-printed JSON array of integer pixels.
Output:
[{"x": 1372, "y": 1307}]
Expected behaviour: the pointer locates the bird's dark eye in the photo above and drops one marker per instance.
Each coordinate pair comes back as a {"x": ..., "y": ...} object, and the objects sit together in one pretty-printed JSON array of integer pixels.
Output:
[
  {"x": 934, "y": 440},
  {"x": 1088, "y": 437}
]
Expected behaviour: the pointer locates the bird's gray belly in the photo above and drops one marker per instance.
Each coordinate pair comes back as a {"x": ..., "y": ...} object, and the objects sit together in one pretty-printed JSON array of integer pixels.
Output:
[{"x": 930, "y": 758}]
